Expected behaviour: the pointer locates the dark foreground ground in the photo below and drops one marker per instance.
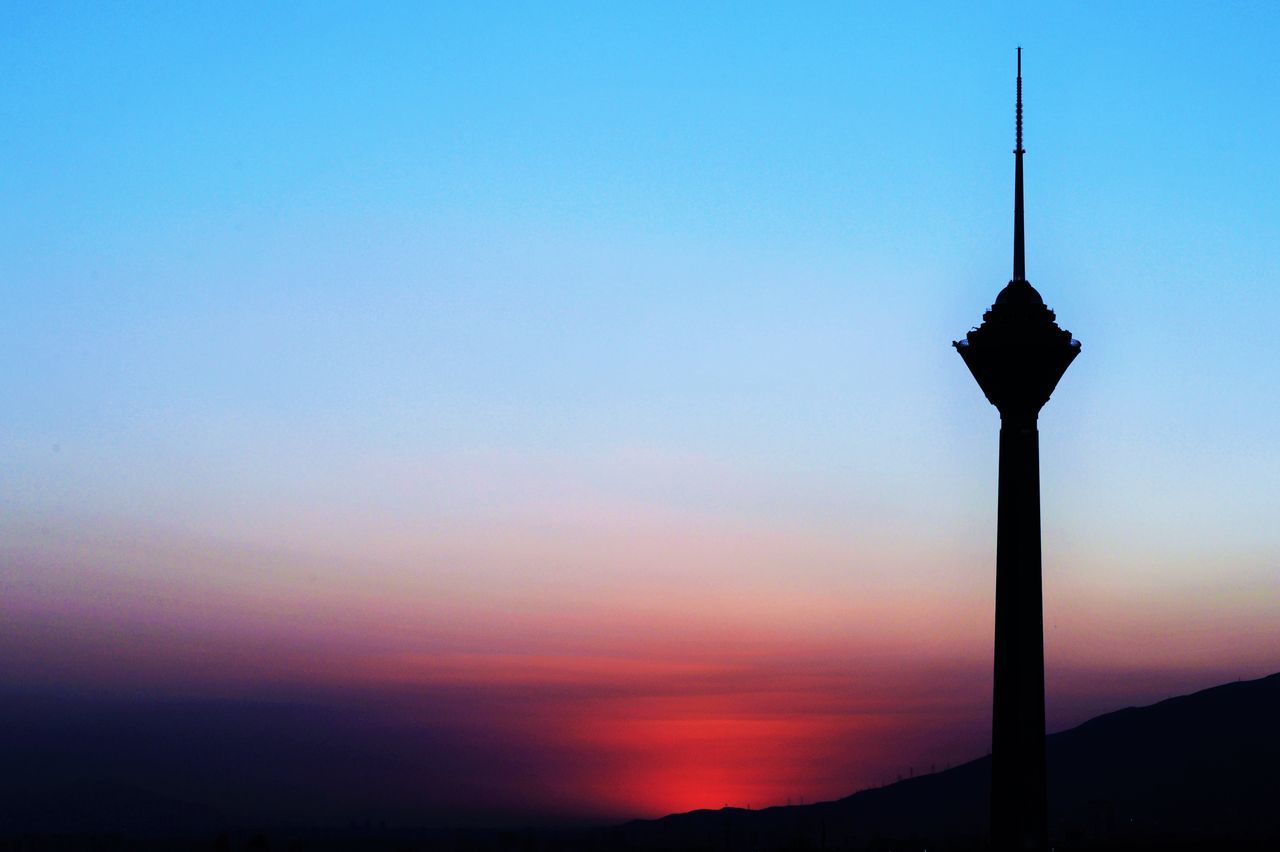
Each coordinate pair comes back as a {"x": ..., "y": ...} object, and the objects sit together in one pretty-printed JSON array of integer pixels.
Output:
[
  {"x": 595, "y": 840},
  {"x": 1197, "y": 772}
]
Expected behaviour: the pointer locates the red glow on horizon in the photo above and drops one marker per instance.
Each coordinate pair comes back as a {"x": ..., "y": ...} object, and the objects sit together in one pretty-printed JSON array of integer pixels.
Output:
[
  {"x": 697, "y": 757},
  {"x": 643, "y": 737}
]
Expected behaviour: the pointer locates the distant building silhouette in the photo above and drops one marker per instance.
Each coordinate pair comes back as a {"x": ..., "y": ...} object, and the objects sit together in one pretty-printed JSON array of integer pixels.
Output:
[{"x": 1018, "y": 355}]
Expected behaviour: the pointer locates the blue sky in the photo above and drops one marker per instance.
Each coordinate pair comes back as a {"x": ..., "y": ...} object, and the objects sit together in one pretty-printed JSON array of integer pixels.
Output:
[{"x": 550, "y": 229}]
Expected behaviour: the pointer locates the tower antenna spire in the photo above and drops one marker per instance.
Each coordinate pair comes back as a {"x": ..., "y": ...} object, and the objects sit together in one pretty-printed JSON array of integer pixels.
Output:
[{"x": 1019, "y": 249}]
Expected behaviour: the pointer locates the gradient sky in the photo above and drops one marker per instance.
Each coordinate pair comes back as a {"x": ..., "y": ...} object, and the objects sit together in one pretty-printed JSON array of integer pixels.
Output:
[{"x": 552, "y": 406}]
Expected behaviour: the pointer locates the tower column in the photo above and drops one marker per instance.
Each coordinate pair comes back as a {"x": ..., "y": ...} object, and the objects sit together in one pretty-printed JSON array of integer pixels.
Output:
[{"x": 1018, "y": 795}]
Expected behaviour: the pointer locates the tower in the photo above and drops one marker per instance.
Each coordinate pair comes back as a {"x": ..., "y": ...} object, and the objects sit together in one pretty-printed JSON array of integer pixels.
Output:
[{"x": 1018, "y": 355}]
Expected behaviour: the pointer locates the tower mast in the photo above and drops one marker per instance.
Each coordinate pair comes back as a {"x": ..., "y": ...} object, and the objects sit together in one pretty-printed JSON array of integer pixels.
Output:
[{"x": 1019, "y": 246}]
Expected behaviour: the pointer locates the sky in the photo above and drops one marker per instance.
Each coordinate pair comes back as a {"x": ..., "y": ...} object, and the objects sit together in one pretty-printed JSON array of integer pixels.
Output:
[{"x": 548, "y": 411}]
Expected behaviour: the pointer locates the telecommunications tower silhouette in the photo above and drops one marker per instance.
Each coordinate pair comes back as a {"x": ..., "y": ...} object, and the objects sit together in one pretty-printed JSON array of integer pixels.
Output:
[{"x": 1018, "y": 355}]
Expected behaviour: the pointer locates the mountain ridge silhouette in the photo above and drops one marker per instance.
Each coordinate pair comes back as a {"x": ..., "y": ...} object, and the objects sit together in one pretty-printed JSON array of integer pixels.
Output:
[{"x": 1193, "y": 769}]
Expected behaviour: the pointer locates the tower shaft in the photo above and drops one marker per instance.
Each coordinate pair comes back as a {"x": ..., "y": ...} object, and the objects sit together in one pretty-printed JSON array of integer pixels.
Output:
[{"x": 1018, "y": 790}]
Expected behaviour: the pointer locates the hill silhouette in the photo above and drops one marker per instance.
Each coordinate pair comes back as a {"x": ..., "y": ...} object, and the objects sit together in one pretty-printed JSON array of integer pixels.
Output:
[{"x": 1196, "y": 771}]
